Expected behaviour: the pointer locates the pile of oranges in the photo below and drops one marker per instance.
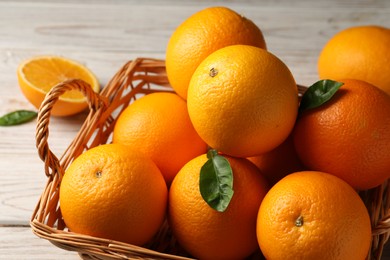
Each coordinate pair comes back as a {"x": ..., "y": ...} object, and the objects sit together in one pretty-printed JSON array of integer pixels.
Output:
[{"x": 287, "y": 176}]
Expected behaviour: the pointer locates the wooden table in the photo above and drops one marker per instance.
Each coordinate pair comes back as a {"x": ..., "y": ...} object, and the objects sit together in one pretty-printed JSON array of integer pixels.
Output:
[{"x": 104, "y": 35}]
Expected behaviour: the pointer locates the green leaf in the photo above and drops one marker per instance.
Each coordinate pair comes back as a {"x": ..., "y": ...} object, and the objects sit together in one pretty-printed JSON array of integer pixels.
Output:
[
  {"x": 216, "y": 181},
  {"x": 319, "y": 93},
  {"x": 17, "y": 117}
]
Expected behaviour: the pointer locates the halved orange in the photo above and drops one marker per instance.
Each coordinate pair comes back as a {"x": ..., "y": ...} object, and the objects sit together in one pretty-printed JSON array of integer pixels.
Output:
[{"x": 38, "y": 75}]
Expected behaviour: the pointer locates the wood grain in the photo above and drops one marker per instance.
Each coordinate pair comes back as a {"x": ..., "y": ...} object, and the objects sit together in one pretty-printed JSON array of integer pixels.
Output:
[
  {"x": 19, "y": 243},
  {"x": 103, "y": 35}
]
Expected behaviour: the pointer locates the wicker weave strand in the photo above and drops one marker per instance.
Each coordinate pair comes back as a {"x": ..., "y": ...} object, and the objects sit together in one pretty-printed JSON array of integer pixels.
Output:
[{"x": 136, "y": 78}]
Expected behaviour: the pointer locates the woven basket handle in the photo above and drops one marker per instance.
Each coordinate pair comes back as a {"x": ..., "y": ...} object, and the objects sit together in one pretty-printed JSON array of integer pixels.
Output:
[{"x": 52, "y": 164}]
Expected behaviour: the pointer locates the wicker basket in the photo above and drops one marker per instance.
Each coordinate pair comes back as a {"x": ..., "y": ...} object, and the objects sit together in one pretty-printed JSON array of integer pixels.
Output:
[{"x": 134, "y": 79}]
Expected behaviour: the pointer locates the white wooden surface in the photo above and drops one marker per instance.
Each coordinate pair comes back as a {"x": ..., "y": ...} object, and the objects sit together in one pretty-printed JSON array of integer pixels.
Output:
[{"x": 105, "y": 34}]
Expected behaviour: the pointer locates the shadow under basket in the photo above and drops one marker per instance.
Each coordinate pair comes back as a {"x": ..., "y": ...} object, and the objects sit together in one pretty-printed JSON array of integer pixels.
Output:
[{"x": 136, "y": 78}]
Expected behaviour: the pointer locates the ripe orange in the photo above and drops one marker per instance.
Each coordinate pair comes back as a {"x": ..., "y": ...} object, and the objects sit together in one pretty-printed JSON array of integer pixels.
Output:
[
  {"x": 360, "y": 52},
  {"x": 159, "y": 126},
  {"x": 38, "y": 75},
  {"x": 279, "y": 162},
  {"x": 200, "y": 35},
  {"x": 243, "y": 101},
  {"x": 114, "y": 192},
  {"x": 348, "y": 136},
  {"x": 206, "y": 233},
  {"x": 313, "y": 215}
]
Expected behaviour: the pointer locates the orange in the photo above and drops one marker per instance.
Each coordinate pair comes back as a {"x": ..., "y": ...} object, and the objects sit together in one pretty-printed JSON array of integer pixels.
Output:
[
  {"x": 200, "y": 35},
  {"x": 279, "y": 162},
  {"x": 114, "y": 192},
  {"x": 348, "y": 136},
  {"x": 243, "y": 101},
  {"x": 313, "y": 215},
  {"x": 159, "y": 126},
  {"x": 38, "y": 75},
  {"x": 206, "y": 233},
  {"x": 359, "y": 52}
]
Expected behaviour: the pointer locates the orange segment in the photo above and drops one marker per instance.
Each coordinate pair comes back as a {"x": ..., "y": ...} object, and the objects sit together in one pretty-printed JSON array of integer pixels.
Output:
[{"x": 39, "y": 74}]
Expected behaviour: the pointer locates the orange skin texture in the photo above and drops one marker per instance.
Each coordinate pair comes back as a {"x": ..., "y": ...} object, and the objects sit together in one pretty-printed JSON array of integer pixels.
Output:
[
  {"x": 126, "y": 203},
  {"x": 206, "y": 233},
  {"x": 249, "y": 107},
  {"x": 348, "y": 136},
  {"x": 335, "y": 224},
  {"x": 159, "y": 126},
  {"x": 279, "y": 162},
  {"x": 360, "y": 52},
  {"x": 200, "y": 35}
]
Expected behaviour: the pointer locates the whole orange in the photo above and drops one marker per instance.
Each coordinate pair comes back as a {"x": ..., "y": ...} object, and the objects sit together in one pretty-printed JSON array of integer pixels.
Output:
[
  {"x": 359, "y": 52},
  {"x": 313, "y": 215},
  {"x": 348, "y": 136},
  {"x": 206, "y": 233},
  {"x": 243, "y": 101},
  {"x": 201, "y": 34},
  {"x": 158, "y": 125},
  {"x": 279, "y": 162},
  {"x": 114, "y": 192}
]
